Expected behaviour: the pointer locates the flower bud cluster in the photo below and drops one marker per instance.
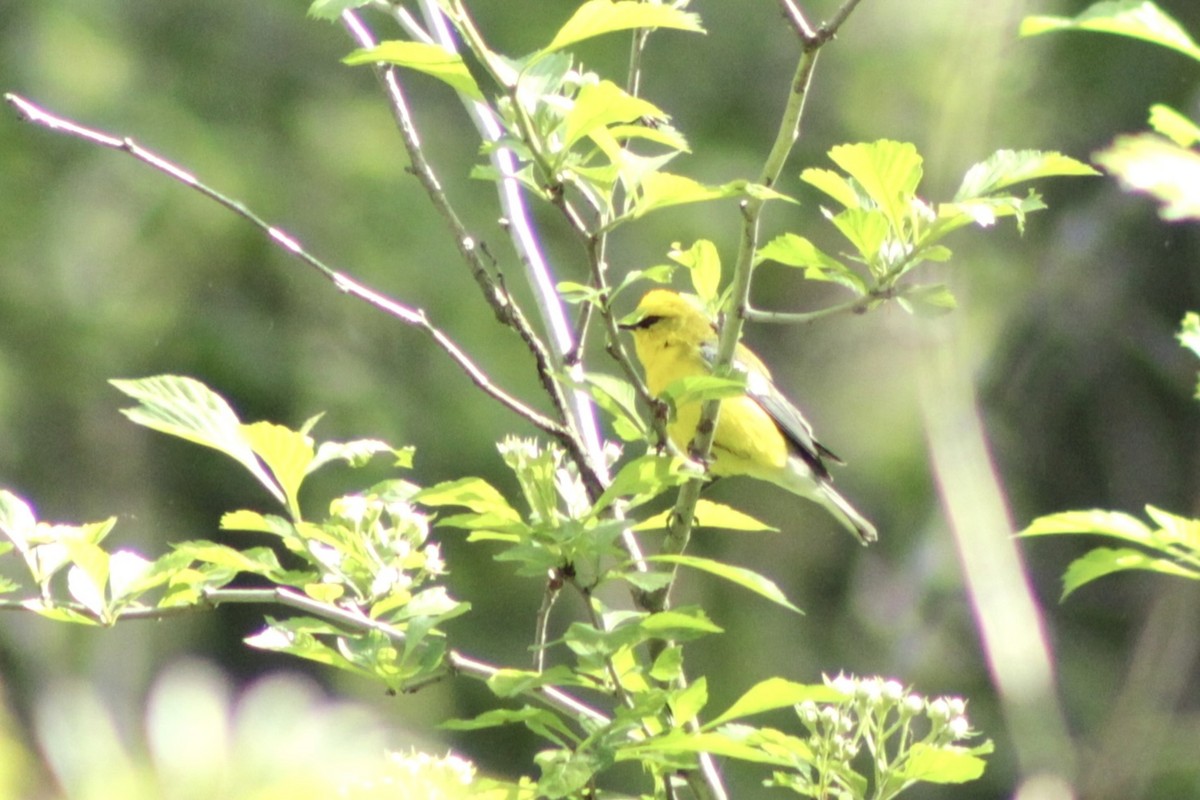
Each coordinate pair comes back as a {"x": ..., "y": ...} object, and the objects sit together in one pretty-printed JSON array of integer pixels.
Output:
[{"x": 385, "y": 548}]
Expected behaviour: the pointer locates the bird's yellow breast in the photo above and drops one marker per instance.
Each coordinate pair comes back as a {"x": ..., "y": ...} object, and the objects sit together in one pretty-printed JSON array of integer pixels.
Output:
[{"x": 747, "y": 440}]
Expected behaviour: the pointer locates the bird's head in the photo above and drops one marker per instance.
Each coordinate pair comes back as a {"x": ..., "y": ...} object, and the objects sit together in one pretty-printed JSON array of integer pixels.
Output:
[{"x": 665, "y": 316}]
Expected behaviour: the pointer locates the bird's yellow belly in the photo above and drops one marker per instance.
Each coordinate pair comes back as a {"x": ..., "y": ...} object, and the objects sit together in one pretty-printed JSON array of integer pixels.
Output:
[{"x": 747, "y": 441}]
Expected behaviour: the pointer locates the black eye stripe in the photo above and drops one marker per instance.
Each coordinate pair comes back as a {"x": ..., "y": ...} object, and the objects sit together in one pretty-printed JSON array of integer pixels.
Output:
[{"x": 645, "y": 322}]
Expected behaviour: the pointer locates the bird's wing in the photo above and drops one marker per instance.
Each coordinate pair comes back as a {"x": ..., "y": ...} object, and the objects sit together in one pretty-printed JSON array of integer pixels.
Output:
[{"x": 796, "y": 429}]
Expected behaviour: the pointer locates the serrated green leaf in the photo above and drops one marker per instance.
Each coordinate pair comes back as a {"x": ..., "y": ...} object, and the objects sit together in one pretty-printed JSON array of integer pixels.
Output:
[
  {"x": 1158, "y": 167},
  {"x": 701, "y": 388},
  {"x": 600, "y": 105},
  {"x": 888, "y": 171},
  {"x": 773, "y": 693},
  {"x": 358, "y": 453},
  {"x": 1007, "y": 167},
  {"x": 431, "y": 59},
  {"x": 1137, "y": 19},
  {"x": 746, "y": 578},
  {"x": 1106, "y": 523},
  {"x": 941, "y": 764},
  {"x": 1173, "y": 125},
  {"x": 867, "y": 230},
  {"x": 928, "y": 301},
  {"x": 703, "y": 263},
  {"x": 796, "y": 251},
  {"x": 619, "y": 400},
  {"x": 644, "y": 478},
  {"x": 1174, "y": 530},
  {"x": 473, "y": 493},
  {"x": 598, "y": 17},
  {"x": 713, "y": 743},
  {"x": 832, "y": 184},
  {"x": 287, "y": 453},
  {"x": 709, "y": 515},
  {"x": 1107, "y": 560},
  {"x": 659, "y": 190},
  {"x": 186, "y": 408},
  {"x": 513, "y": 682}
]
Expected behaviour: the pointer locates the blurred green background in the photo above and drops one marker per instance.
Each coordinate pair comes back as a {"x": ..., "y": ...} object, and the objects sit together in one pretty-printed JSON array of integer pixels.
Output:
[{"x": 108, "y": 269}]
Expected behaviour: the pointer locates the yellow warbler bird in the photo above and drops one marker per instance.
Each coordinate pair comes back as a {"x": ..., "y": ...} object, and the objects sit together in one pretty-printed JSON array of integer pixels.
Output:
[{"x": 760, "y": 434}]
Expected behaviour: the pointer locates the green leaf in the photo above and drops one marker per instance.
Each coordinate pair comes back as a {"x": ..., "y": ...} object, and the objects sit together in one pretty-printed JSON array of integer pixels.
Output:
[
  {"x": 941, "y": 764},
  {"x": 774, "y": 693},
  {"x": 1106, "y": 523},
  {"x": 928, "y": 301},
  {"x": 1188, "y": 336},
  {"x": 474, "y": 493},
  {"x": 1007, "y": 167},
  {"x": 701, "y": 388},
  {"x": 332, "y": 9},
  {"x": 287, "y": 453},
  {"x": 796, "y": 251},
  {"x": 663, "y": 189},
  {"x": 431, "y": 59},
  {"x": 618, "y": 398},
  {"x": 715, "y": 743},
  {"x": 687, "y": 704},
  {"x": 709, "y": 515},
  {"x": 358, "y": 453},
  {"x": 704, "y": 265},
  {"x": 1173, "y": 125},
  {"x": 1158, "y": 167},
  {"x": 1107, "y": 560},
  {"x": 746, "y": 578},
  {"x": 681, "y": 624},
  {"x": 598, "y": 17},
  {"x": 867, "y": 229},
  {"x": 186, "y": 408},
  {"x": 512, "y": 682},
  {"x": 889, "y": 172},
  {"x": 832, "y": 184},
  {"x": 1137, "y": 19},
  {"x": 539, "y": 720},
  {"x": 600, "y": 105},
  {"x": 644, "y": 478},
  {"x": 1175, "y": 530}
]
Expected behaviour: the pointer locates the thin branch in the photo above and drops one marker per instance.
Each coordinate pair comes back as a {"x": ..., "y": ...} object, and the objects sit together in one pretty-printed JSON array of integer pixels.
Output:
[
  {"x": 680, "y": 525},
  {"x": 414, "y": 317},
  {"x": 857, "y": 305}
]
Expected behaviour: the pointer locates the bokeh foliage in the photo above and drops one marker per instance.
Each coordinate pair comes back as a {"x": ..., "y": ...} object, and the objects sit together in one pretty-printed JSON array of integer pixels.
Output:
[{"x": 110, "y": 271}]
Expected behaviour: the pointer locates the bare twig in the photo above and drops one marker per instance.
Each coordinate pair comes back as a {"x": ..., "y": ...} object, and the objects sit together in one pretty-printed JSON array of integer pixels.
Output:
[{"x": 410, "y": 316}]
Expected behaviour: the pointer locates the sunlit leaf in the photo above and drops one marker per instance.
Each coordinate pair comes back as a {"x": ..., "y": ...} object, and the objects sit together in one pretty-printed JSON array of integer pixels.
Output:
[
  {"x": 1106, "y": 523},
  {"x": 833, "y": 184},
  {"x": 888, "y": 171},
  {"x": 599, "y": 105},
  {"x": 1158, "y": 167},
  {"x": 598, "y": 17},
  {"x": 1138, "y": 19},
  {"x": 431, "y": 59},
  {"x": 928, "y": 301},
  {"x": 867, "y": 230},
  {"x": 358, "y": 453},
  {"x": 713, "y": 743},
  {"x": 644, "y": 478},
  {"x": 618, "y": 398},
  {"x": 1173, "y": 125},
  {"x": 746, "y": 578},
  {"x": 796, "y": 251},
  {"x": 703, "y": 263},
  {"x": 1107, "y": 560},
  {"x": 287, "y": 453},
  {"x": 1007, "y": 167},
  {"x": 474, "y": 493},
  {"x": 186, "y": 408},
  {"x": 941, "y": 764},
  {"x": 773, "y": 693},
  {"x": 709, "y": 515}
]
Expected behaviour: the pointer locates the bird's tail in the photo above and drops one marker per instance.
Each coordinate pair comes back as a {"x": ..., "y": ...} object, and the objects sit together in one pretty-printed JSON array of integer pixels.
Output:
[{"x": 844, "y": 513}]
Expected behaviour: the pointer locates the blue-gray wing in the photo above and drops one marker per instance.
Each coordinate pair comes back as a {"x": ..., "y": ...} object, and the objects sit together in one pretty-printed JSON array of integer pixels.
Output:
[{"x": 795, "y": 428}]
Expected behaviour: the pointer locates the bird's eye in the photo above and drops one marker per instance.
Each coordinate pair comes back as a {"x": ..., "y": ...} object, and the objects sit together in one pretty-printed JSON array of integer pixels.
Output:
[{"x": 646, "y": 322}]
